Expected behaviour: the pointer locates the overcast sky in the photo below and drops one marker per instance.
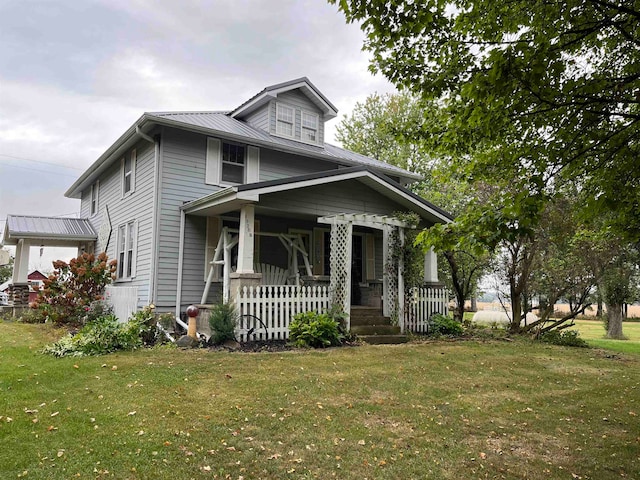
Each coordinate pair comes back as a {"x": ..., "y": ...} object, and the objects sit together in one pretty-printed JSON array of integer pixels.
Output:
[{"x": 75, "y": 74}]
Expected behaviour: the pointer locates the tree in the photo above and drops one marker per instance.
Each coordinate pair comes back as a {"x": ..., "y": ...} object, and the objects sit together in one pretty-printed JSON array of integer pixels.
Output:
[
  {"x": 389, "y": 128},
  {"x": 386, "y": 127},
  {"x": 537, "y": 94},
  {"x": 6, "y": 271}
]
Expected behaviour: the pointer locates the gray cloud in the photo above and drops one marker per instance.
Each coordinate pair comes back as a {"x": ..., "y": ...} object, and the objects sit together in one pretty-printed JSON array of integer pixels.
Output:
[{"x": 75, "y": 74}]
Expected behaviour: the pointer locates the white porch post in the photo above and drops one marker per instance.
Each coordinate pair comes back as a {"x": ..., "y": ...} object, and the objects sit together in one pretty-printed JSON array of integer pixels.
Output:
[
  {"x": 430, "y": 267},
  {"x": 246, "y": 239},
  {"x": 21, "y": 262},
  {"x": 385, "y": 276},
  {"x": 401, "y": 282}
]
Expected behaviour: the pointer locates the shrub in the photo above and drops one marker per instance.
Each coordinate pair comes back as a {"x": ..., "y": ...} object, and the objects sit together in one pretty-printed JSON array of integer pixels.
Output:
[
  {"x": 312, "y": 329},
  {"x": 223, "y": 323},
  {"x": 29, "y": 315},
  {"x": 145, "y": 320},
  {"x": 102, "y": 335},
  {"x": 443, "y": 325},
  {"x": 73, "y": 287},
  {"x": 566, "y": 338}
]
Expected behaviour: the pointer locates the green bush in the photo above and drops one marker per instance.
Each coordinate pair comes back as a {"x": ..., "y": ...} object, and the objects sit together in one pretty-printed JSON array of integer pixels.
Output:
[
  {"x": 222, "y": 321},
  {"x": 443, "y": 325},
  {"x": 102, "y": 335},
  {"x": 566, "y": 338},
  {"x": 316, "y": 330}
]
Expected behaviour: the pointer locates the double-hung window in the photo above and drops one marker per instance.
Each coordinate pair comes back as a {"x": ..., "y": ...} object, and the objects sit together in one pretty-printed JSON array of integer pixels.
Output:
[
  {"x": 126, "y": 250},
  {"x": 233, "y": 161},
  {"x": 94, "y": 198},
  {"x": 129, "y": 173},
  {"x": 285, "y": 118},
  {"x": 309, "y": 127}
]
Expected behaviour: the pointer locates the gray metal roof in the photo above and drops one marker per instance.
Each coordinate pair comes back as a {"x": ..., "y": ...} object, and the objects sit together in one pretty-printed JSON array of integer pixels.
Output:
[
  {"x": 47, "y": 228},
  {"x": 221, "y": 122}
]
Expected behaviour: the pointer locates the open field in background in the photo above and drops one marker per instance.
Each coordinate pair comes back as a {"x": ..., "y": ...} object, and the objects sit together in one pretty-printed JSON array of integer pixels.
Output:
[
  {"x": 593, "y": 332},
  {"x": 633, "y": 310},
  {"x": 435, "y": 410}
]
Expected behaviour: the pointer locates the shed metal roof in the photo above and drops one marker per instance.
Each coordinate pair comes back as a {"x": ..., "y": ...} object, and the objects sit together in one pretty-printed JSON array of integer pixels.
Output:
[
  {"x": 47, "y": 228},
  {"x": 222, "y": 122}
]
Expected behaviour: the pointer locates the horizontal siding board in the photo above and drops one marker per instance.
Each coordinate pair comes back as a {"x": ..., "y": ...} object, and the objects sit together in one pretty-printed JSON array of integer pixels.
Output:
[{"x": 137, "y": 206}]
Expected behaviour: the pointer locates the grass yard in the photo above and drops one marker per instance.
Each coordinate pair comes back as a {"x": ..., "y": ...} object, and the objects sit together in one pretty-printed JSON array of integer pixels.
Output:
[
  {"x": 593, "y": 332},
  {"x": 433, "y": 410}
]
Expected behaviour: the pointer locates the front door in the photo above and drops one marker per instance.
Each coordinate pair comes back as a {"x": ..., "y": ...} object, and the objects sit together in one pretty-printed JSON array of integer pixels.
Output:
[{"x": 357, "y": 259}]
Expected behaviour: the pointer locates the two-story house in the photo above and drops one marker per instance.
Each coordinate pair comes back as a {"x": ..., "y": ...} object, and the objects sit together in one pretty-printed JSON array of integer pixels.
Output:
[{"x": 194, "y": 204}]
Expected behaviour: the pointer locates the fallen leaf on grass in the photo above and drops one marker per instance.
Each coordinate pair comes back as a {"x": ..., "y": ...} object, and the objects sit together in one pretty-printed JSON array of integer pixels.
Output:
[
  {"x": 55, "y": 414},
  {"x": 361, "y": 442}
]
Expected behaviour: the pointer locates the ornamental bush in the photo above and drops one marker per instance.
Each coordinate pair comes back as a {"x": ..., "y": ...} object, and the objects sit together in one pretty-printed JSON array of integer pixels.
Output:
[
  {"x": 443, "y": 325},
  {"x": 223, "y": 323},
  {"x": 100, "y": 336},
  {"x": 313, "y": 329},
  {"x": 71, "y": 289},
  {"x": 565, "y": 338}
]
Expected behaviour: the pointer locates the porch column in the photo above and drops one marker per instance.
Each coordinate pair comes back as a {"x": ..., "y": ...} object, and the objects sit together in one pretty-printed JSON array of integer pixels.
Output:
[
  {"x": 246, "y": 239},
  {"x": 401, "y": 292},
  {"x": 430, "y": 267},
  {"x": 21, "y": 262},
  {"x": 385, "y": 275}
]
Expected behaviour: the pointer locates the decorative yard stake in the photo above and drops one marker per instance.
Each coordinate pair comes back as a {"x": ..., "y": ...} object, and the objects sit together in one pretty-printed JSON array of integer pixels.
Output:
[{"x": 192, "y": 313}]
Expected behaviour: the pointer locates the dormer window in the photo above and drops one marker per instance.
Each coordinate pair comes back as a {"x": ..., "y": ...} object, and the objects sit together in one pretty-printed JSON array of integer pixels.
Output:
[
  {"x": 285, "y": 117},
  {"x": 309, "y": 127},
  {"x": 128, "y": 168}
]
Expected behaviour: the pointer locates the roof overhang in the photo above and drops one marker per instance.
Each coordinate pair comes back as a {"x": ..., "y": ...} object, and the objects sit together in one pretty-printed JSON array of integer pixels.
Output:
[
  {"x": 48, "y": 231},
  {"x": 269, "y": 93},
  {"x": 232, "y": 198},
  {"x": 127, "y": 140}
]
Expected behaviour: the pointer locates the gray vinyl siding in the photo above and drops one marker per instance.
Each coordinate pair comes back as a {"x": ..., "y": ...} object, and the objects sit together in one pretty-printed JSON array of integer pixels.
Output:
[
  {"x": 300, "y": 102},
  {"x": 276, "y": 165},
  {"x": 183, "y": 160},
  {"x": 259, "y": 118},
  {"x": 137, "y": 206},
  {"x": 344, "y": 197}
]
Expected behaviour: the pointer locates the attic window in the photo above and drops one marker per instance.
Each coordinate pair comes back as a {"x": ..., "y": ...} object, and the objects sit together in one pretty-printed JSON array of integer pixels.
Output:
[
  {"x": 285, "y": 117},
  {"x": 309, "y": 127}
]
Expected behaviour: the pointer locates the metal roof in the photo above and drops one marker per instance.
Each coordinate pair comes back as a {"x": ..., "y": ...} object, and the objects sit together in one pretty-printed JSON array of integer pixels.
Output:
[
  {"x": 47, "y": 228},
  {"x": 222, "y": 122},
  {"x": 233, "y": 197}
]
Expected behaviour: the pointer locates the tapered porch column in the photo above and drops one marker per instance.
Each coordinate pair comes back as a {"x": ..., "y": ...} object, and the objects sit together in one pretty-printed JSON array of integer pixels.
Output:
[
  {"x": 21, "y": 262},
  {"x": 246, "y": 239},
  {"x": 430, "y": 267}
]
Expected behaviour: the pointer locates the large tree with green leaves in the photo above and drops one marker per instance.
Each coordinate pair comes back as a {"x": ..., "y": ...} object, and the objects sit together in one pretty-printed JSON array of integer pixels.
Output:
[{"x": 536, "y": 94}]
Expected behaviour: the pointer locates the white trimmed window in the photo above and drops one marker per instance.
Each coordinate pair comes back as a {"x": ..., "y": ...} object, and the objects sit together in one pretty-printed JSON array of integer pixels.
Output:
[
  {"x": 129, "y": 173},
  {"x": 233, "y": 161},
  {"x": 285, "y": 118},
  {"x": 94, "y": 197},
  {"x": 126, "y": 250},
  {"x": 309, "y": 127}
]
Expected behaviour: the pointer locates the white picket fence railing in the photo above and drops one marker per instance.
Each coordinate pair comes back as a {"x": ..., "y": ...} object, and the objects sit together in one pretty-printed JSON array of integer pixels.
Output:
[
  {"x": 420, "y": 304},
  {"x": 267, "y": 310}
]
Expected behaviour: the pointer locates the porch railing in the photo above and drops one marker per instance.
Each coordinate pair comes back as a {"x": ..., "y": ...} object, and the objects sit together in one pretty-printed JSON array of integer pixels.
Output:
[
  {"x": 420, "y": 304},
  {"x": 275, "y": 306}
]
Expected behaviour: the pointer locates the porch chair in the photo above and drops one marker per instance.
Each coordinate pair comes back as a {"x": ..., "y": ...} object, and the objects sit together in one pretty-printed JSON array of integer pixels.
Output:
[{"x": 271, "y": 274}]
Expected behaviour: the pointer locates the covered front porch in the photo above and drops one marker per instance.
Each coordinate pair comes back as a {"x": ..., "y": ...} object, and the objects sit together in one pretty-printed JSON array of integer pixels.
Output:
[{"x": 275, "y": 262}]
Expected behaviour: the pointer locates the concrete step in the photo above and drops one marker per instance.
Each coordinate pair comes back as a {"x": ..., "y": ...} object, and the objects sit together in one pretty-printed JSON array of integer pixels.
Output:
[
  {"x": 376, "y": 329},
  {"x": 383, "y": 339},
  {"x": 368, "y": 316}
]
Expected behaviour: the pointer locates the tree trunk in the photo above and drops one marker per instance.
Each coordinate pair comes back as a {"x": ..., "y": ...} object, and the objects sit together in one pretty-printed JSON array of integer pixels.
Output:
[
  {"x": 516, "y": 310},
  {"x": 614, "y": 329},
  {"x": 474, "y": 304}
]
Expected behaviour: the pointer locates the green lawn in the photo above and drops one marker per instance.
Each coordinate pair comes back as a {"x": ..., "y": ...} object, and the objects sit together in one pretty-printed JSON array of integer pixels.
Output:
[
  {"x": 434, "y": 410},
  {"x": 593, "y": 332}
]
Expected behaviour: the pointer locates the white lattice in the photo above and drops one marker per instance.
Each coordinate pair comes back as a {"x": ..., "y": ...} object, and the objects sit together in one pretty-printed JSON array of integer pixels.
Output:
[
  {"x": 340, "y": 261},
  {"x": 392, "y": 272}
]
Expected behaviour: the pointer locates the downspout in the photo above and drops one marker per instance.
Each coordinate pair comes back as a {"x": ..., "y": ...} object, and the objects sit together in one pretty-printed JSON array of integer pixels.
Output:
[
  {"x": 154, "y": 213},
  {"x": 155, "y": 227},
  {"x": 180, "y": 263}
]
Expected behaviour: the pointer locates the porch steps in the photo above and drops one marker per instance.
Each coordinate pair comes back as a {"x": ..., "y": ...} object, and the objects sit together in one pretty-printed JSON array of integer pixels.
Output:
[{"x": 372, "y": 327}]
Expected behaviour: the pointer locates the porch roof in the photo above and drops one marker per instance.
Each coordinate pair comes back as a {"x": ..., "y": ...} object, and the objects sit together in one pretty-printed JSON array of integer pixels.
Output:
[
  {"x": 48, "y": 231},
  {"x": 232, "y": 198}
]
